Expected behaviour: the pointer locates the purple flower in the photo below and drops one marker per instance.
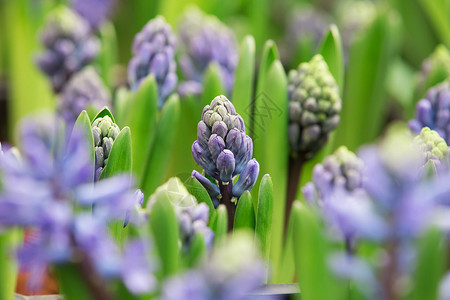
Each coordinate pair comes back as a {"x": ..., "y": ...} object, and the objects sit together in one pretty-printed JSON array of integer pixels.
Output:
[
  {"x": 84, "y": 90},
  {"x": 95, "y": 12},
  {"x": 193, "y": 220},
  {"x": 232, "y": 272},
  {"x": 205, "y": 40},
  {"x": 69, "y": 46},
  {"x": 223, "y": 149},
  {"x": 434, "y": 111},
  {"x": 50, "y": 189},
  {"x": 154, "y": 53}
]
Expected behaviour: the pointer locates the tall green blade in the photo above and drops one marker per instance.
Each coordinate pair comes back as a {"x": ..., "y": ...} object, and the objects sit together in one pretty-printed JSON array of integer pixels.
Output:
[
  {"x": 245, "y": 213},
  {"x": 196, "y": 189},
  {"x": 119, "y": 159},
  {"x": 162, "y": 147},
  {"x": 212, "y": 85},
  {"x": 331, "y": 50},
  {"x": 108, "y": 55},
  {"x": 243, "y": 82},
  {"x": 220, "y": 225},
  {"x": 141, "y": 118},
  {"x": 9, "y": 239}
]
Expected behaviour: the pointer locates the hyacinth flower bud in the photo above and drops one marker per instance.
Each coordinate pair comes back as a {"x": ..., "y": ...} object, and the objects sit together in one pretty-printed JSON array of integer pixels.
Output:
[
  {"x": 94, "y": 12},
  {"x": 434, "y": 111},
  {"x": 434, "y": 148},
  {"x": 154, "y": 53},
  {"x": 224, "y": 151},
  {"x": 105, "y": 132},
  {"x": 69, "y": 46},
  {"x": 85, "y": 89},
  {"x": 193, "y": 220},
  {"x": 222, "y": 148},
  {"x": 205, "y": 40},
  {"x": 342, "y": 170},
  {"x": 314, "y": 107},
  {"x": 247, "y": 179}
]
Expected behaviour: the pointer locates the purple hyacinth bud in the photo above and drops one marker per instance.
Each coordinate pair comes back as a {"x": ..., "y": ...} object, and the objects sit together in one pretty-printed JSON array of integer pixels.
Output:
[
  {"x": 105, "y": 132},
  {"x": 69, "y": 46},
  {"x": 211, "y": 188},
  {"x": 85, "y": 89},
  {"x": 225, "y": 164},
  {"x": 95, "y": 12},
  {"x": 193, "y": 220},
  {"x": 216, "y": 145},
  {"x": 205, "y": 40},
  {"x": 434, "y": 111},
  {"x": 247, "y": 179},
  {"x": 314, "y": 107},
  {"x": 154, "y": 53}
]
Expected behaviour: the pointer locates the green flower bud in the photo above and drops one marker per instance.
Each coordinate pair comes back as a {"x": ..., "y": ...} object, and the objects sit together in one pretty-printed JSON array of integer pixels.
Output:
[
  {"x": 314, "y": 106},
  {"x": 433, "y": 147}
]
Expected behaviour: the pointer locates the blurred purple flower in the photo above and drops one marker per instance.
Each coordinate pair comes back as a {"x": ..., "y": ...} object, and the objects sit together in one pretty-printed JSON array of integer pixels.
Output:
[
  {"x": 41, "y": 189},
  {"x": 69, "y": 46},
  {"x": 434, "y": 111},
  {"x": 154, "y": 53},
  {"x": 95, "y": 12},
  {"x": 193, "y": 220},
  {"x": 205, "y": 40},
  {"x": 84, "y": 90}
]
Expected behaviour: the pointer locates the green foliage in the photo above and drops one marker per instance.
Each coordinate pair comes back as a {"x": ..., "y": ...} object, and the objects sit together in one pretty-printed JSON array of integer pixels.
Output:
[
  {"x": 196, "y": 189},
  {"x": 9, "y": 239},
  {"x": 245, "y": 213}
]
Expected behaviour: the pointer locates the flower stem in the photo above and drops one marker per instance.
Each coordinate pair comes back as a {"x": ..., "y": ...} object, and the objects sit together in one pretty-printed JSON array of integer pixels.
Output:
[
  {"x": 295, "y": 169},
  {"x": 226, "y": 191}
]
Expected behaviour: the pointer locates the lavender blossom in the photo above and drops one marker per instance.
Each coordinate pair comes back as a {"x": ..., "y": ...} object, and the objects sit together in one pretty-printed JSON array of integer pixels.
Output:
[
  {"x": 95, "y": 12},
  {"x": 69, "y": 46},
  {"x": 42, "y": 189},
  {"x": 85, "y": 89},
  {"x": 194, "y": 220},
  {"x": 154, "y": 53},
  {"x": 232, "y": 272},
  {"x": 105, "y": 131},
  {"x": 223, "y": 149},
  {"x": 434, "y": 111},
  {"x": 205, "y": 40},
  {"x": 314, "y": 107}
]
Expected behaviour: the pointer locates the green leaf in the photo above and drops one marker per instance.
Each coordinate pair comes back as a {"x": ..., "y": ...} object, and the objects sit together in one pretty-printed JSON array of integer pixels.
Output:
[
  {"x": 9, "y": 239},
  {"x": 311, "y": 252},
  {"x": 197, "y": 251},
  {"x": 271, "y": 146},
  {"x": 72, "y": 283},
  {"x": 119, "y": 159},
  {"x": 269, "y": 55},
  {"x": 141, "y": 118},
  {"x": 196, "y": 189},
  {"x": 364, "y": 103},
  {"x": 245, "y": 213},
  {"x": 103, "y": 113},
  {"x": 263, "y": 227},
  {"x": 83, "y": 124},
  {"x": 212, "y": 84},
  {"x": 430, "y": 266},
  {"x": 162, "y": 147},
  {"x": 220, "y": 226},
  {"x": 331, "y": 50},
  {"x": 438, "y": 12},
  {"x": 285, "y": 273},
  {"x": 244, "y": 77},
  {"x": 164, "y": 225},
  {"x": 122, "y": 100},
  {"x": 108, "y": 55}
]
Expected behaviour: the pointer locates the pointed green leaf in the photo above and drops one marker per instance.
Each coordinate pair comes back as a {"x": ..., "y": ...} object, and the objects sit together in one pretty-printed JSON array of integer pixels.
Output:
[
  {"x": 197, "y": 190},
  {"x": 269, "y": 55},
  {"x": 72, "y": 283},
  {"x": 220, "y": 225},
  {"x": 438, "y": 12},
  {"x": 311, "y": 252},
  {"x": 431, "y": 262},
  {"x": 9, "y": 240},
  {"x": 263, "y": 227},
  {"x": 162, "y": 147},
  {"x": 119, "y": 159},
  {"x": 244, "y": 77},
  {"x": 212, "y": 84},
  {"x": 196, "y": 252},
  {"x": 364, "y": 106},
  {"x": 164, "y": 225},
  {"x": 103, "y": 113},
  {"x": 108, "y": 51},
  {"x": 286, "y": 270},
  {"x": 83, "y": 124},
  {"x": 245, "y": 213},
  {"x": 331, "y": 50},
  {"x": 141, "y": 118},
  {"x": 121, "y": 104}
]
